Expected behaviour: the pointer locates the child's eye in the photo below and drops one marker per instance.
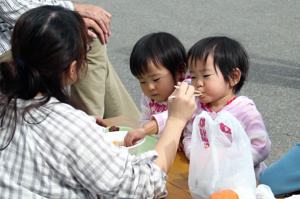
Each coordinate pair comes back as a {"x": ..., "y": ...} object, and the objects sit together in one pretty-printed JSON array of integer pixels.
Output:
[
  {"x": 193, "y": 77},
  {"x": 206, "y": 76},
  {"x": 142, "y": 82},
  {"x": 156, "y": 79}
]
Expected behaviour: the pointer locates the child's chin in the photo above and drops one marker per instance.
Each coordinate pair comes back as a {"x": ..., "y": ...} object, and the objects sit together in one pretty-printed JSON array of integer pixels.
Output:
[
  {"x": 201, "y": 97},
  {"x": 203, "y": 100},
  {"x": 158, "y": 99}
]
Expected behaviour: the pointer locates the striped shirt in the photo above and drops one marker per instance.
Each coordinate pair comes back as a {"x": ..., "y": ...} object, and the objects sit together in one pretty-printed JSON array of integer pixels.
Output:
[
  {"x": 11, "y": 10},
  {"x": 60, "y": 152}
]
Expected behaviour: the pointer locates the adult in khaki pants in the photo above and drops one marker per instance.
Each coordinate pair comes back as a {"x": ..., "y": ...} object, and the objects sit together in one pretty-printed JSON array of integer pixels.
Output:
[{"x": 100, "y": 90}]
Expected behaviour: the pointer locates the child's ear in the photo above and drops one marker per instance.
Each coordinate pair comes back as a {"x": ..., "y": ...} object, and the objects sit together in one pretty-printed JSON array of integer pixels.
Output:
[{"x": 235, "y": 77}]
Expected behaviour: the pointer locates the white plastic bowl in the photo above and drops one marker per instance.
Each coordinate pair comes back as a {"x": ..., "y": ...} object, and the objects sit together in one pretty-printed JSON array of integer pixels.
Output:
[{"x": 118, "y": 136}]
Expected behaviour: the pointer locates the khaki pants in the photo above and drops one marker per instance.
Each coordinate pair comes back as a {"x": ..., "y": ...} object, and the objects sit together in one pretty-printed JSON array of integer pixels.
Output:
[
  {"x": 100, "y": 91},
  {"x": 6, "y": 56}
]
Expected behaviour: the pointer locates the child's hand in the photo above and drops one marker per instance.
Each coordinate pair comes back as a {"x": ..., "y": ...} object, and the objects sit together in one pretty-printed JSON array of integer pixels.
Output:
[{"x": 133, "y": 136}]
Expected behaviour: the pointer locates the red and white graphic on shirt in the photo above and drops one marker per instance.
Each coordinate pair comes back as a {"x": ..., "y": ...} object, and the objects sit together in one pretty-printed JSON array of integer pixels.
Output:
[
  {"x": 203, "y": 132},
  {"x": 156, "y": 107},
  {"x": 225, "y": 129}
]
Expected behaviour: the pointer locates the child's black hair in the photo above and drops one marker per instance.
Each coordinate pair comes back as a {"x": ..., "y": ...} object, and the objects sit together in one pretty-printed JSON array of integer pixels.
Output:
[
  {"x": 228, "y": 54},
  {"x": 161, "y": 49}
]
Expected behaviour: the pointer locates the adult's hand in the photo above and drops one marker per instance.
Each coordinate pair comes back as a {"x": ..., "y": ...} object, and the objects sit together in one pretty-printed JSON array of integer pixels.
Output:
[
  {"x": 97, "y": 20},
  {"x": 181, "y": 106},
  {"x": 182, "y": 97}
]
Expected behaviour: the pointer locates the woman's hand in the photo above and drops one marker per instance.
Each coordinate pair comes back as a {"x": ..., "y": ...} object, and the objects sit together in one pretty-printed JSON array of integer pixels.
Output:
[
  {"x": 133, "y": 136},
  {"x": 181, "y": 103},
  {"x": 181, "y": 106}
]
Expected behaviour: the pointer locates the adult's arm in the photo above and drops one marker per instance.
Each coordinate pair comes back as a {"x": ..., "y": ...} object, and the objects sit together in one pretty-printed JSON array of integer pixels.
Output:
[{"x": 177, "y": 119}]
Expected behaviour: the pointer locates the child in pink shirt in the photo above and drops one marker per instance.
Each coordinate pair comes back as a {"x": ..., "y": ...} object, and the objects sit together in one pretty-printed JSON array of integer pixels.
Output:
[
  {"x": 218, "y": 67},
  {"x": 158, "y": 61}
]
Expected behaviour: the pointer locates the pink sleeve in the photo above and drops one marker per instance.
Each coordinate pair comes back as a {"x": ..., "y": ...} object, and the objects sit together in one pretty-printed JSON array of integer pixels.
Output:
[
  {"x": 187, "y": 138},
  {"x": 160, "y": 119},
  {"x": 145, "y": 110},
  {"x": 255, "y": 128},
  {"x": 257, "y": 133}
]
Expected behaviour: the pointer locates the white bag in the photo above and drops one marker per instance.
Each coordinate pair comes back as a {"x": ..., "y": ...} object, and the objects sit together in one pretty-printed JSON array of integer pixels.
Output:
[{"x": 220, "y": 157}]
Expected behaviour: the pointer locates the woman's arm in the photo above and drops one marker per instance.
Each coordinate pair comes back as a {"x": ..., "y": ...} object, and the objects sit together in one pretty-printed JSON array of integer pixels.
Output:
[{"x": 178, "y": 117}]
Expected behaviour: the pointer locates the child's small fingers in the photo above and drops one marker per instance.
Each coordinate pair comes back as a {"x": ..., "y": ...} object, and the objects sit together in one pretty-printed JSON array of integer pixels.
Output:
[
  {"x": 134, "y": 141},
  {"x": 125, "y": 140},
  {"x": 128, "y": 142}
]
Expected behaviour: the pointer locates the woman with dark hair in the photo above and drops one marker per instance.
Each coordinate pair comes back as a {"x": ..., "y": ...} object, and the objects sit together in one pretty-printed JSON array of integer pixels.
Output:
[{"x": 48, "y": 149}]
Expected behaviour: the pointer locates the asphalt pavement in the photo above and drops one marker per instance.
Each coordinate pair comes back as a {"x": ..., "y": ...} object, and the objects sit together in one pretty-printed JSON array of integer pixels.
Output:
[{"x": 268, "y": 29}]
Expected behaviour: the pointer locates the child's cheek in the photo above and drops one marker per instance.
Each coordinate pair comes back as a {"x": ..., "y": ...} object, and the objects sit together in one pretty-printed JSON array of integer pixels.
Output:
[{"x": 194, "y": 83}]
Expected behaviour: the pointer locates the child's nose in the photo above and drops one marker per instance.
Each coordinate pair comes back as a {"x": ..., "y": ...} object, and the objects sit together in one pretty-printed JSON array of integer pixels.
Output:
[
  {"x": 151, "y": 86},
  {"x": 199, "y": 82}
]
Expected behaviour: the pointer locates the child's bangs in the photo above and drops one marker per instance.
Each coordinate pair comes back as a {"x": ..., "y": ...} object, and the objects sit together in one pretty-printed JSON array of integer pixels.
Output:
[
  {"x": 199, "y": 54},
  {"x": 156, "y": 61}
]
